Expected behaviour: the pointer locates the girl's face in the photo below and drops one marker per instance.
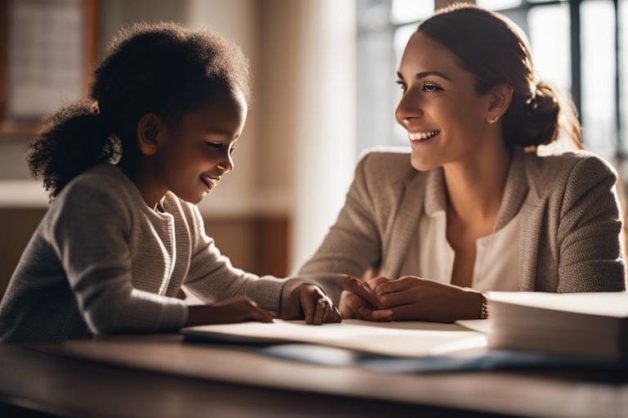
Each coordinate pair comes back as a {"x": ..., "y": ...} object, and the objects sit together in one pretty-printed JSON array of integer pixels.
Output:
[
  {"x": 192, "y": 158},
  {"x": 444, "y": 116}
]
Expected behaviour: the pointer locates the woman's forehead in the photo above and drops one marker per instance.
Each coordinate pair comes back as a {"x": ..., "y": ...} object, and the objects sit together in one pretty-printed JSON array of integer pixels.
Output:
[{"x": 423, "y": 55}]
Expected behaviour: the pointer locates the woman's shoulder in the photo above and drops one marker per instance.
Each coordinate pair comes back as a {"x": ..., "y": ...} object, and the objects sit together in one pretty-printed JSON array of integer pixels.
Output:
[
  {"x": 566, "y": 169},
  {"x": 387, "y": 165}
]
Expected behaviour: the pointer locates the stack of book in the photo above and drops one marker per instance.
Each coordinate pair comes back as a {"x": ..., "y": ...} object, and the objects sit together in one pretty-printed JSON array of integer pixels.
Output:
[{"x": 578, "y": 324}]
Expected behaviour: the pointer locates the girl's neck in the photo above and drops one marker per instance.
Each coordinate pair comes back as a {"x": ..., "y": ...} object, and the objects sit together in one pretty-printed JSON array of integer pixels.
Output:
[
  {"x": 144, "y": 183},
  {"x": 475, "y": 186}
]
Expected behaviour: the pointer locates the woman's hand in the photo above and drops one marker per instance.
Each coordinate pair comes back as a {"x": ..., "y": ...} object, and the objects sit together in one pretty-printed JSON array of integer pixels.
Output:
[
  {"x": 310, "y": 302},
  {"x": 413, "y": 298},
  {"x": 240, "y": 309},
  {"x": 358, "y": 299}
]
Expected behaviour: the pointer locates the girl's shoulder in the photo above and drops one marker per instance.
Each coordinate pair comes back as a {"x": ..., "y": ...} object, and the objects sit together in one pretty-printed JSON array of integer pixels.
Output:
[{"x": 102, "y": 185}]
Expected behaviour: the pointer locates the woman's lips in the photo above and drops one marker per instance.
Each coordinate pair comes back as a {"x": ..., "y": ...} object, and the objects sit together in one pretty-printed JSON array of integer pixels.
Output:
[{"x": 422, "y": 137}]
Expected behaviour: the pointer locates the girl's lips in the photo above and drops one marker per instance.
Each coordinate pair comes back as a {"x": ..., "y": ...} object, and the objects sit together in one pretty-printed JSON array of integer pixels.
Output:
[{"x": 209, "y": 182}]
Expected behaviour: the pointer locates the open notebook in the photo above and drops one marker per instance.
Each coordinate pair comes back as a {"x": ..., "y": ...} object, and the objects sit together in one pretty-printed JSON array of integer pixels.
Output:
[{"x": 400, "y": 339}]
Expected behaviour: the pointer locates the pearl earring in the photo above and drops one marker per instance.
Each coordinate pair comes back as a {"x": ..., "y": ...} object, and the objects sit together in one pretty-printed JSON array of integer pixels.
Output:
[{"x": 493, "y": 120}]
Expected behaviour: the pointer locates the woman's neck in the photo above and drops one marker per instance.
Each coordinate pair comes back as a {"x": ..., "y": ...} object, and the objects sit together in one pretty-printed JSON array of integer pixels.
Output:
[{"x": 475, "y": 186}]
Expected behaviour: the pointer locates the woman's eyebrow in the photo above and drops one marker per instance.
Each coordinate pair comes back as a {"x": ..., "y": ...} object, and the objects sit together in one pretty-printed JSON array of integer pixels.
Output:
[{"x": 424, "y": 74}]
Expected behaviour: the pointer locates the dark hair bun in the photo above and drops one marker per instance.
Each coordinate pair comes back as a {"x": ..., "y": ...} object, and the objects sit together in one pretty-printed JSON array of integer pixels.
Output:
[{"x": 540, "y": 124}]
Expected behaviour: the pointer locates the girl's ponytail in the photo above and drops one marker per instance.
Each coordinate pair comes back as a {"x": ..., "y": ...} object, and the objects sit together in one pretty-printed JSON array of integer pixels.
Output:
[{"x": 78, "y": 138}]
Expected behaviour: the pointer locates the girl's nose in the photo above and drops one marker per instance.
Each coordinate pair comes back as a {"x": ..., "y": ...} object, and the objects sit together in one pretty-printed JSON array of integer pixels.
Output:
[
  {"x": 226, "y": 165},
  {"x": 407, "y": 110}
]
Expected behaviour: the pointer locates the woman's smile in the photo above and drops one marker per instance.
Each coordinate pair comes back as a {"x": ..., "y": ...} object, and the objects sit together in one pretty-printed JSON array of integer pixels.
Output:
[{"x": 420, "y": 138}]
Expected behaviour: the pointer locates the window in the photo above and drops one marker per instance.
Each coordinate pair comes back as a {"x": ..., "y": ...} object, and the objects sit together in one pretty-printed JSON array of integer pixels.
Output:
[{"x": 577, "y": 45}]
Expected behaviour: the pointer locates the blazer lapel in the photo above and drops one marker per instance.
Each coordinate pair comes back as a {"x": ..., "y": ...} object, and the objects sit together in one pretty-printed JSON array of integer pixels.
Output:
[{"x": 404, "y": 225}]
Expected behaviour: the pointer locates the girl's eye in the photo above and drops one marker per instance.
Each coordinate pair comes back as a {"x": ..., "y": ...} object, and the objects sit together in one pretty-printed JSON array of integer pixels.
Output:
[
  {"x": 431, "y": 87},
  {"x": 216, "y": 145}
]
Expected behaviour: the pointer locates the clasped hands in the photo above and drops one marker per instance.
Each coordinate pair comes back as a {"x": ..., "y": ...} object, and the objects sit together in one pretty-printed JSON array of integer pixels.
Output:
[
  {"x": 377, "y": 299},
  {"x": 407, "y": 298}
]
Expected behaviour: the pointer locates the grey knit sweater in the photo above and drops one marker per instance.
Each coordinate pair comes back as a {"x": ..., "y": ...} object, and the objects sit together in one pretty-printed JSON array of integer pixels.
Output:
[{"x": 102, "y": 261}]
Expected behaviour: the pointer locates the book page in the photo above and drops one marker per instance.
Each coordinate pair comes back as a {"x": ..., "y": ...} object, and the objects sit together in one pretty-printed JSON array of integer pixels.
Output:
[
  {"x": 613, "y": 304},
  {"x": 388, "y": 338}
]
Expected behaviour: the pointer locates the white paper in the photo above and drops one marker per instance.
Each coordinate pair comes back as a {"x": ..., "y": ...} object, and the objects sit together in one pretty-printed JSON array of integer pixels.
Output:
[
  {"x": 405, "y": 339},
  {"x": 612, "y": 304}
]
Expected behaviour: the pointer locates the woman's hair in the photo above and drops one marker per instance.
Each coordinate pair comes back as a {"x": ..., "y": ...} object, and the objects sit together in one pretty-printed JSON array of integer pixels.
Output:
[
  {"x": 495, "y": 51},
  {"x": 163, "y": 69}
]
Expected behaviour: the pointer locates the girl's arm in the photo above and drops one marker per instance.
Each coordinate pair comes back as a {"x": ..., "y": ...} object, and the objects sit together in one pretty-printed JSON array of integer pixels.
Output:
[
  {"x": 89, "y": 230},
  {"x": 212, "y": 278}
]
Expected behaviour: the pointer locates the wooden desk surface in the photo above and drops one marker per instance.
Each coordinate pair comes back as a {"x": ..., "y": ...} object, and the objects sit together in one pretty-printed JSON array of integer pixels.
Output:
[{"x": 161, "y": 376}]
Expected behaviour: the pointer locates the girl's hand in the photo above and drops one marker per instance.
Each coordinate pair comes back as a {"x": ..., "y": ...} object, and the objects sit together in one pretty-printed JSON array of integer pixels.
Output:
[
  {"x": 240, "y": 309},
  {"x": 413, "y": 298},
  {"x": 358, "y": 299},
  {"x": 310, "y": 302}
]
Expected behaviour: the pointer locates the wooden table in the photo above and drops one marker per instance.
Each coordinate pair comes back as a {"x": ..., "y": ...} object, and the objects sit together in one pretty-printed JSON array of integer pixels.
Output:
[{"x": 162, "y": 376}]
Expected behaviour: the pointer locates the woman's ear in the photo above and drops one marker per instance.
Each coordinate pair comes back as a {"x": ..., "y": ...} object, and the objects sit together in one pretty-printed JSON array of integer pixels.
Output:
[
  {"x": 150, "y": 131},
  {"x": 500, "y": 98}
]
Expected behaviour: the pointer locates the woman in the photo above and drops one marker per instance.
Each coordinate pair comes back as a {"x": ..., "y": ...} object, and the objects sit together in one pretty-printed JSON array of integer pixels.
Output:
[{"x": 474, "y": 207}]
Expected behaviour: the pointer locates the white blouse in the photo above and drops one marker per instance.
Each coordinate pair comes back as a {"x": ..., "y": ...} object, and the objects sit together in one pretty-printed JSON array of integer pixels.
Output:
[{"x": 497, "y": 255}]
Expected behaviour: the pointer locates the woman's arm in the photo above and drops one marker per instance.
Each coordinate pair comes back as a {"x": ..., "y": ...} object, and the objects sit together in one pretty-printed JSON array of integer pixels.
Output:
[
  {"x": 589, "y": 234},
  {"x": 353, "y": 244}
]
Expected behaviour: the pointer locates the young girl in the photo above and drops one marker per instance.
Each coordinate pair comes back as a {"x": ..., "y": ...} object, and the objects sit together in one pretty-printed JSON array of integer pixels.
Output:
[
  {"x": 473, "y": 207},
  {"x": 122, "y": 234}
]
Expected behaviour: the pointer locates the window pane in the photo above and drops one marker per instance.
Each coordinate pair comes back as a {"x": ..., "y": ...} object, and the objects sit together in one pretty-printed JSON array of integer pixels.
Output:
[
  {"x": 410, "y": 10},
  {"x": 552, "y": 59},
  {"x": 498, "y": 4},
  {"x": 373, "y": 14},
  {"x": 375, "y": 74},
  {"x": 598, "y": 76}
]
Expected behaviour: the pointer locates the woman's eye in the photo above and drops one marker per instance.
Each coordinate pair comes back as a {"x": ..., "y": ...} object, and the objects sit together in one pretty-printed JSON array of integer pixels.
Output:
[
  {"x": 430, "y": 87},
  {"x": 401, "y": 85}
]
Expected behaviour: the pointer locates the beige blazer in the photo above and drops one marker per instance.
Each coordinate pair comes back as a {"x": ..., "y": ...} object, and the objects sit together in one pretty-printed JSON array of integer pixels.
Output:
[{"x": 570, "y": 229}]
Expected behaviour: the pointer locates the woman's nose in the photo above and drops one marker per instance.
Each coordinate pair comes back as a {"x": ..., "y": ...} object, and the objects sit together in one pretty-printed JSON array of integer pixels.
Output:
[{"x": 409, "y": 108}]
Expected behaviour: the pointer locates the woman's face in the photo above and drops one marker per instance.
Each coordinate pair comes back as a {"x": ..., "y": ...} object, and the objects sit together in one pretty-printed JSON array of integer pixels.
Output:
[{"x": 444, "y": 116}]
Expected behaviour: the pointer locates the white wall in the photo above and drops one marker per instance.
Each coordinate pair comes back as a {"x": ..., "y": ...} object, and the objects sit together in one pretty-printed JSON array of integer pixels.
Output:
[{"x": 325, "y": 145}]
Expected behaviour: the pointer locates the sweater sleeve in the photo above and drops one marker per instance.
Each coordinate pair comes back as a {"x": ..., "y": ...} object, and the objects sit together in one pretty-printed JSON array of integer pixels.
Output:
[
  {"x": 212, "y": 277},
  {"x": 353, "y": 243},
  {"x": 589, "y": 235},
  {"x": 89, "y": 231}
]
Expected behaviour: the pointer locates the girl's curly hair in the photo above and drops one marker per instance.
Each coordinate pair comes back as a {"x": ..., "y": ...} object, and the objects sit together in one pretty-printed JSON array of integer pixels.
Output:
[{"x": 163, "y": 69}]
